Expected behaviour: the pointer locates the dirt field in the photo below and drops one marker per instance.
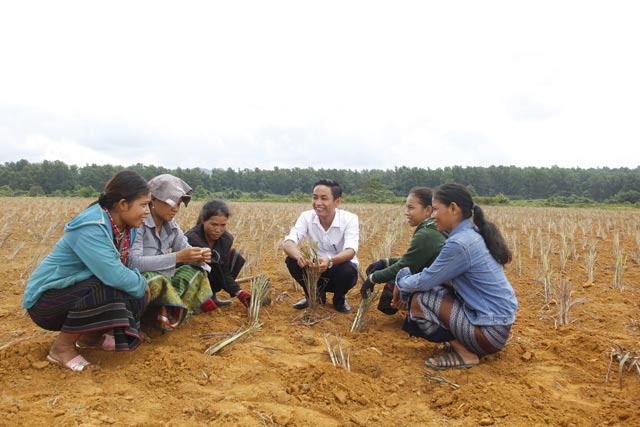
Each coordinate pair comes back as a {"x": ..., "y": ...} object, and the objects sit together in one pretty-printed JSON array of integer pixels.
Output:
[{"x": 549, "y": 373}]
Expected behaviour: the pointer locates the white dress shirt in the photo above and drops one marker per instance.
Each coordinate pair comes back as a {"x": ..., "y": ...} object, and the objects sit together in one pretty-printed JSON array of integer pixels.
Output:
[{"x": 342, "y": 234}]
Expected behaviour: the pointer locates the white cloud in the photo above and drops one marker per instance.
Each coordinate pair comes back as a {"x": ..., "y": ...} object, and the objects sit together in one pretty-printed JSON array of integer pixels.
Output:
[{"x": 354, "y": 84}]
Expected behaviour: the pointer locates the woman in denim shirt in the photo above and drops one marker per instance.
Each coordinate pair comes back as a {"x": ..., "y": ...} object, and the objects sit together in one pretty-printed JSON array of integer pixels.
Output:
[{"x": 464, "y": 298}]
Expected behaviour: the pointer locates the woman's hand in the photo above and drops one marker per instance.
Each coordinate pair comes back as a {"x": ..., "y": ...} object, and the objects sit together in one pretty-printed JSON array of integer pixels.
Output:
[
  {"x": 189, "y": 255},
  {"x": 396, "y": 302}
]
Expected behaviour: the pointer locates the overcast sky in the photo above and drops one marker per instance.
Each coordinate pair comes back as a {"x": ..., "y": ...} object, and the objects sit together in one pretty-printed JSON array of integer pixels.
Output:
[{"x": 323, "y": 84}]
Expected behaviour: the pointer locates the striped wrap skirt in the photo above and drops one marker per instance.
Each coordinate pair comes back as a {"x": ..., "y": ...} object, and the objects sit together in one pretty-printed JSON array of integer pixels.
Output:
[
  {"x": 437, "y": 315},
  {"x": 91, "y": 306}
]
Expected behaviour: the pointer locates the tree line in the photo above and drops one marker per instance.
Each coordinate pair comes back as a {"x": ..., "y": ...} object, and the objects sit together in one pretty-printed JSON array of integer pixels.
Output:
[{"x": 502, "y": 183}]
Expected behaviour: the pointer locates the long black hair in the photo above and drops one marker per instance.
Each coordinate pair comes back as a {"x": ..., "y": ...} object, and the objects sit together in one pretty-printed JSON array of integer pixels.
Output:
[
  {"x": 127, "y": 185},
  {"x": 450, "y": 193},
  {"x": 423, "y": 194},
  {"x": 215, "y": 207}
]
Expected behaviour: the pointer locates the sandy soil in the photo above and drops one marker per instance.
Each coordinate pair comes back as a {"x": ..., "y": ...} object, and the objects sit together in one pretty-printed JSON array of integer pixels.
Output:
[{"x": 282, "y": 375}]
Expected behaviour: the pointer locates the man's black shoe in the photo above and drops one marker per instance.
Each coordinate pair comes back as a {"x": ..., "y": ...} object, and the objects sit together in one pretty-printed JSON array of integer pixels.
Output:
[
  {"x": 301, "y": 305},
  {"x": 342, "y": 308},
  {"x": 220, "y": 303}
]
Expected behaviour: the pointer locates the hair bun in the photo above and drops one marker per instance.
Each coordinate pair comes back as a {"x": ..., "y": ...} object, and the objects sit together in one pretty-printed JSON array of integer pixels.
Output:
[{"x": 102, "y": 200}]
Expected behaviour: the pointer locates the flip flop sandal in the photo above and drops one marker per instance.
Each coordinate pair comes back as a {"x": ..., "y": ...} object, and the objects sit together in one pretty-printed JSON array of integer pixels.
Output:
[
  {"x": 450, "y": 360},
  {"x": 77, "y": 364}
]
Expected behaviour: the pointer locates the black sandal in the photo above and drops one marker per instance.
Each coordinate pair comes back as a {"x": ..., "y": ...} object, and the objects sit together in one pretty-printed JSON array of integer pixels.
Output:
[{"x": 450, "y": 360}]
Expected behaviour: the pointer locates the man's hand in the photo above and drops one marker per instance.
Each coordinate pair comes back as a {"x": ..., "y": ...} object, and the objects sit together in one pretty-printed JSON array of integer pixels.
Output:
[
  {"x": 322, "y": 265},
  {"x": 302, "y": 262}
]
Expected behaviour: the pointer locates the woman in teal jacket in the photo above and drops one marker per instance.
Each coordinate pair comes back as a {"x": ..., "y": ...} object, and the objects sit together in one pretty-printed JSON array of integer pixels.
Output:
[
  {"x": 424, "y": 248},
  {"x": 83, "y": 288}
]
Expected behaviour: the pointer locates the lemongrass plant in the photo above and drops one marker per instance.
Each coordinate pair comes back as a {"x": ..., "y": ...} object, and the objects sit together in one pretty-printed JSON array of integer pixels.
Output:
[
  {"x": 311, "y": 275},
  {"x": 365, "y": 304},
  {"x": 336, "y": 353},
  {"x": 590, "y": 261},
  {"x": 565, "y": 302},
  {"x": 516, "y": 254},
  {"x": 219, "y": 346},
  {"x": 618, "y": 271},
  {"x": 260, "y": 290},
  {"x": 260, "y": 287},
  {"x": 545, "y": 274}
]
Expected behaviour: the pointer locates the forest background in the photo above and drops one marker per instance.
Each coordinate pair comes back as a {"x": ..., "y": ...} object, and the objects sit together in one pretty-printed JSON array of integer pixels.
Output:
[{"x": 552, "y": 186}]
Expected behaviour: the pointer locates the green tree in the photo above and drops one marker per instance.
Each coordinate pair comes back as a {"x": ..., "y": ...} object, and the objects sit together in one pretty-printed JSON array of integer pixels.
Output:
[
  {"x": 36, "y": 191},
  {"x": 375, "y": 191}
]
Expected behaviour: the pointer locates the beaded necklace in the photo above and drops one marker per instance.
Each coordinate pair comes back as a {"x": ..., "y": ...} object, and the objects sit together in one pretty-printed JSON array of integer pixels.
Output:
[{"x": 121, "y": 239}]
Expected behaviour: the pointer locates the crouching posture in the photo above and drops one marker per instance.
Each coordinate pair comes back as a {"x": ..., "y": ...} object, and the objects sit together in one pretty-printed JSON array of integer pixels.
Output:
[
  {"x": 226, "y": 262},
  {"x": 174, "y": 270},
  {"x": 464, "y": 298},
  {"x": 83, "y": 288}
]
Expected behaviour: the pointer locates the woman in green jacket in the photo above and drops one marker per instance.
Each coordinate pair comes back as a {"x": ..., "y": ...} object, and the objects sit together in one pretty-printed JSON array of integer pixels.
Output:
[{"x": 424, "y": 248}]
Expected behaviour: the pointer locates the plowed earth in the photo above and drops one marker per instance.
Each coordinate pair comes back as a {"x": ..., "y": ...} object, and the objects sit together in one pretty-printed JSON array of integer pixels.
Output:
[{"x": 549, "y": 373}]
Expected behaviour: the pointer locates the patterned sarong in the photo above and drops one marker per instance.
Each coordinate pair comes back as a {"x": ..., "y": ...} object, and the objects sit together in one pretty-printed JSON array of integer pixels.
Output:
[
  {"x": 177, "y": 298},
  {"x": 91, "y": 306},
  {"x": 445, "y": 320}
]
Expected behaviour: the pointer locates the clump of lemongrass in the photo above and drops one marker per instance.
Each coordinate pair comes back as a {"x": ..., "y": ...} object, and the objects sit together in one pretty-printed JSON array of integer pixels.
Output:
[
  {"x": 590, "y": 261},
  {"x": 311, "y": 275},
  {"x": 336, "y": 353},
  {"x": 625, "y": 358},
  {"x": 259, "y": 288},
  {"x": 545, "y": 274},
  {"x": 565, "y": 302},
  {"x": 618, "y": 271},
  {"x": 365, "y": 304},
  {"x": 516, "y": 254},
  {"x": 219, "y": 346},
  {"x": 260, "y": 292}
]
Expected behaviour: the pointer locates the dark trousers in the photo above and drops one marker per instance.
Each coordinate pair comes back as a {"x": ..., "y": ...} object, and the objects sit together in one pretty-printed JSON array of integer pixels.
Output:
[{"x": 338, "y": 279}]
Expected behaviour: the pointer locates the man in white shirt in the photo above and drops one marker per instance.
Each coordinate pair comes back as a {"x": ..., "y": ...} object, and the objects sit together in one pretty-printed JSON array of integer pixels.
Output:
[{"x": 337, "y": 234}]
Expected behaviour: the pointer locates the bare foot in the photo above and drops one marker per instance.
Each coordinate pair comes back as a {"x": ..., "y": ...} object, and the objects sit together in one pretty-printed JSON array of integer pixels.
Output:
[
  {"x": 91, "y": 339},
  {"x": 63, "y": 348}
]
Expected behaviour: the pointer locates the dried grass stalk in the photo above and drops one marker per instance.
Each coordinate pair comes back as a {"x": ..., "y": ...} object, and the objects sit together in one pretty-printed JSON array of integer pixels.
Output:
[
  {"x": 629, "y": 358},
  {"x": 217, "y": 347},
  {"x": 439, "y": 379}
]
